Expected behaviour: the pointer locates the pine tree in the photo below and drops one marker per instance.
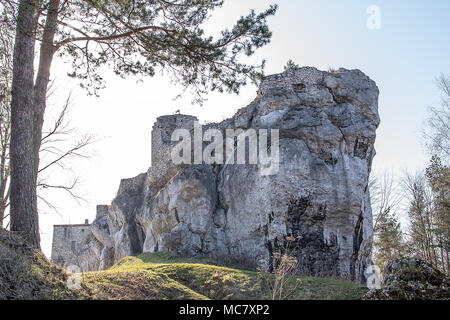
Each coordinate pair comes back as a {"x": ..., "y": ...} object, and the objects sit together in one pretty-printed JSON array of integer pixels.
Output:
[
  {"x": 388, "y": 241},
  {"x": 291, "y": 65}
]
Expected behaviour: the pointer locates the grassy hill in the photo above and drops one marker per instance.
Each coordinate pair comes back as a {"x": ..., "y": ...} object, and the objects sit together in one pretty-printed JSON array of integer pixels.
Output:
[
  {"x": 26, "y": 273},
  {"x": 160, "y": 276}
]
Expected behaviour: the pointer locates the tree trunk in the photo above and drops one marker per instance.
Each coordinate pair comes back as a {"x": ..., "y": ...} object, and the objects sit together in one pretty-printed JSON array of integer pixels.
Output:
[
  {"x": 24, "y": 215},
  {"x": 29, "y": 102},
  {"x": 43, "y": 75},
  {"x": 2, "y": 214},
  {"x": 447, "y": 254}
]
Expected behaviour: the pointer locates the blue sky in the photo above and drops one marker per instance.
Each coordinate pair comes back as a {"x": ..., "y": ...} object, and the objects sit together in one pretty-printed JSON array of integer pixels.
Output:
[{"x": 404, "y": 57}]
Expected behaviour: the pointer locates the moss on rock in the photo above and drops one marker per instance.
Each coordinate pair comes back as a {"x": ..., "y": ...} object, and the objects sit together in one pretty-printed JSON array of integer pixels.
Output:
[{"x": 411, "y": 279}]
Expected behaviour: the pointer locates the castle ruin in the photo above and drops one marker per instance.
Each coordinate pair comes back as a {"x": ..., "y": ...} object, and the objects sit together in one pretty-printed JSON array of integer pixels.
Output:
[{"x": 327, "y": 125}]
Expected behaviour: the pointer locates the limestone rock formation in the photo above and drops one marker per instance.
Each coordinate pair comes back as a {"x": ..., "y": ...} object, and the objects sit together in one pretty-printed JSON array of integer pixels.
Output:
[{"x": 327, "y": 124}]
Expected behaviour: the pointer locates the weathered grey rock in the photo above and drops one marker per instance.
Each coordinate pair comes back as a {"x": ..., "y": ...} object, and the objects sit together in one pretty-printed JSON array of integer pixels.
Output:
[
  {"x": 411, "y": 279},
  {"x": 327, "y": 126},
  {"x": 178, "y": 218}
]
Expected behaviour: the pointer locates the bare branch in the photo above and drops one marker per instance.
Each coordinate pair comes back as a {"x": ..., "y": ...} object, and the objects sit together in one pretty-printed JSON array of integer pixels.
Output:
[
  {"x": 74, "y": 151},
  {"x": 436, "y": 131},
  {"x": 67, "y": 188},
  {"x": 385, "y": 196}
]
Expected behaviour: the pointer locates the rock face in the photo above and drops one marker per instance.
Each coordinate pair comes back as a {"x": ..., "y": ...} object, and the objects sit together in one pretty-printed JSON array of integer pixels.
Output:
[
  {"x": 327, "y": 124},
  {"x": 411, "y": 279}
]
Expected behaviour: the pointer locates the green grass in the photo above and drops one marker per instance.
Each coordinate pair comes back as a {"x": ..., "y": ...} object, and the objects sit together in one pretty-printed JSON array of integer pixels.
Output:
[
  {"x": 160, "y": 276},
  {"x": 25, "y": 273}
]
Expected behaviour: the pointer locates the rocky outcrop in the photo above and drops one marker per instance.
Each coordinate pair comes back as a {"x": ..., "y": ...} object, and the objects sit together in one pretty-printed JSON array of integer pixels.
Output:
[
  {"x": 326, "y": 122},
  {"x": 411, "y": 279}
]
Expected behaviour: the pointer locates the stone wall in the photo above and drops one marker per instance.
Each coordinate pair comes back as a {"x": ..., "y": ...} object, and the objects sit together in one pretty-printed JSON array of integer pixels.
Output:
[{"x": 70, "y": 242}]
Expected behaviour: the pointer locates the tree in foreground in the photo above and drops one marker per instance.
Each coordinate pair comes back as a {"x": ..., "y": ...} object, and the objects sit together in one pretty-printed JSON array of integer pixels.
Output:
[
  {"x": 133, "y": 37},
  {"x": 59, "y": 143}
]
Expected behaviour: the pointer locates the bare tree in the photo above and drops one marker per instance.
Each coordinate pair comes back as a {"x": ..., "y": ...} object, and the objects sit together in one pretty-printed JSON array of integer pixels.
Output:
[
  {"x": 437, "y": 126},
  {"x": 385, "y": 200},
  {"x": 422, "y": 217},
  {"x": 385, "y": 195},
  {"x": 60, "y": 144}
]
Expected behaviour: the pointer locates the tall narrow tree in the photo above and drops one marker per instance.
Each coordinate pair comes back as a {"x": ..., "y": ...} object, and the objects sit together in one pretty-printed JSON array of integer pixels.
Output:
[{"x": 24, "y": 215}]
